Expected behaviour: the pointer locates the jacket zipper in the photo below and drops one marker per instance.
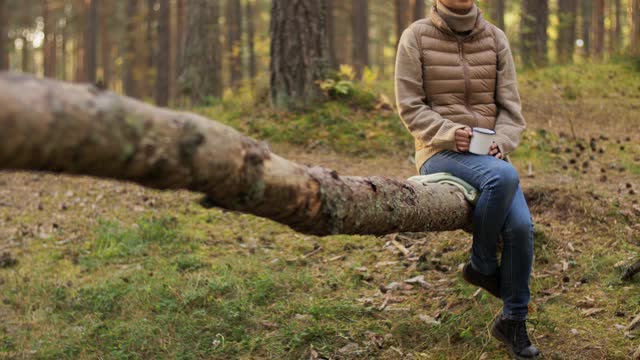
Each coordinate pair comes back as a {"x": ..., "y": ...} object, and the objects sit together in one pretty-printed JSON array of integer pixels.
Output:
[{"x": 467, "y": 81}]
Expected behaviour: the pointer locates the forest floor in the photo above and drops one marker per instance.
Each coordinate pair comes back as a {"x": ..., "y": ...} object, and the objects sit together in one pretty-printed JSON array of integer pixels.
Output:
[{"x": 101, "y": 269}]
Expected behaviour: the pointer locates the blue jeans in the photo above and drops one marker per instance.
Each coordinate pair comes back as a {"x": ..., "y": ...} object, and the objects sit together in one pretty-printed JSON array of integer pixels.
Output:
[{"x": 500, "y": 210}]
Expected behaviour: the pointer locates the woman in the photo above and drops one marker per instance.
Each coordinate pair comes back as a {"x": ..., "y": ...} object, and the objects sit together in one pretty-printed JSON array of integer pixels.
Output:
[{"x": 455, "y": 71}]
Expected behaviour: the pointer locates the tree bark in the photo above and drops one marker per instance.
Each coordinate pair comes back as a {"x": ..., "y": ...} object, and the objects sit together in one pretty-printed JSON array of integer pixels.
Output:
[
  {"x": 129, "y": 81},
  {"x": 586, "y": 12},
  {"x": 496, "y": 9},
  {"x": 4, "y": 50},
  {"x": 533, "y": 35},
  {"x": 403, "y": 16},
  {"x": 105, "y": 41},
  {"x": 635, "y": 27},
  {"x": 419, "y": 10},
  {"x": 164, "y": 47},
  {"x": 75, "y": 129},
  {"x": 90, "y": 41},
  {"x": 598, "y": 29},
  {"x": 251, "y": 35},
  {"x": 48, "y": 49},
  {"x": 234, "y": 41},
  {"x": 299, "y": 52},
  {"x": 565, "y": 44},
  {"x": 331, "y": 33},
  {"x": 360, "y": 29},
  {"x": 201, "y": 73}
]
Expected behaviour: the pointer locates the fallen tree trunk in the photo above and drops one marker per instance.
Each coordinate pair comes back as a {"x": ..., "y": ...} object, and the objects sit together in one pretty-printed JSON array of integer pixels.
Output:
[{"x": 46, "y": 125}]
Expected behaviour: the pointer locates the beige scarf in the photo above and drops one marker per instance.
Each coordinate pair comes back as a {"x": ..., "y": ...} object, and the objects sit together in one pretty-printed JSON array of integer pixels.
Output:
[{"x": 457, "y": 22}]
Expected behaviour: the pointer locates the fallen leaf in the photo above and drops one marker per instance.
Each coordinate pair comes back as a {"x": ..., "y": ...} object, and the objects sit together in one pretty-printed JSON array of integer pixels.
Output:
[
  {"x": 418, "y": 280},
  {"x": 591, "y": 312},
  {"x": 349, "y": 348},
  {"x": 428, "y": 319}
]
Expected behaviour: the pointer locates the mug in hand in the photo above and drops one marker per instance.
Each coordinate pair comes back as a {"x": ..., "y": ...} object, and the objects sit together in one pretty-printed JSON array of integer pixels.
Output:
[{"x": 481, "y": 141}]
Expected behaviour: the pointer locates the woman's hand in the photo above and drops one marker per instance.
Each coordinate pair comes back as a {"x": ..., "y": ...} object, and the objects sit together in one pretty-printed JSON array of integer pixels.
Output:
[
  {"x": 463, "y": 138},
  {"x": 495, "y": 151}
]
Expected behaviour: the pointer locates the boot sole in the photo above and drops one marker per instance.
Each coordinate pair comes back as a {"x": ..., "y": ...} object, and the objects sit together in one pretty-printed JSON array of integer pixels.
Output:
[{"x": 497, "y": 334}]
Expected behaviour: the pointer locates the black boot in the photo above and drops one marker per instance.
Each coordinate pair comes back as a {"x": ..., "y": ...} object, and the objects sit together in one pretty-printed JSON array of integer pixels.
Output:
[
  {"x": 513, "y": 334},
  {"x": 491, "y": 283}
]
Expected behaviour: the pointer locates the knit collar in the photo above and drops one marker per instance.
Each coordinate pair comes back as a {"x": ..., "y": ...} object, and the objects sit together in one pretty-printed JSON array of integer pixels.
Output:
[{"x": 456, "y": 22}]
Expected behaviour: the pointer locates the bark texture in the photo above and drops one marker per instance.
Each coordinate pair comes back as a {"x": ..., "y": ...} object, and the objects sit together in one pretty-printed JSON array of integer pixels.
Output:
[
  {"x": 533, "y": 34},
  {"x": 164, "y": 54},
  {"x": 234, "y": 41},
  {"x": 299, "y": 52},
  {"x": 201, "y": 73},
  {"x": 598, "y": 28},
  {"x": 90, "y": 41},
  {"x": 4, "y": 53},
  {"x": 76, "y": 129},
  {"x": 419, "y": 10},
  {"x": 496, "y": 12},
  {"x": 586, "y": 11},
  {"x": 635, "y": 27},
  {"x": 565, "y": 44},
  {"x": 360, "y": 28}
]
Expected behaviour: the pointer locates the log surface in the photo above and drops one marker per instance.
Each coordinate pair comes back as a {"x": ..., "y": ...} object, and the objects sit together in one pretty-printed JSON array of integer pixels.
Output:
[{"x": 47, "y": 125}]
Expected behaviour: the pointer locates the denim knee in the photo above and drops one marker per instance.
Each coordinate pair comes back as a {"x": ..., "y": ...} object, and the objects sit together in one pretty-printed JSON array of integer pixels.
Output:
[
  {"x": 521, "y": 230},
  {"x": 503, "y": 176}
]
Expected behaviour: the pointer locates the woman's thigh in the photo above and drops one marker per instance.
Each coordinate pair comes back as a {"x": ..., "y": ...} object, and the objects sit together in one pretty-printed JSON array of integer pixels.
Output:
[{"x": 477, "y": 170}]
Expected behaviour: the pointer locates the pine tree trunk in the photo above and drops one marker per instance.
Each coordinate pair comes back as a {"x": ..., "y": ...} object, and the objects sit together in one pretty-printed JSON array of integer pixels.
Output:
[
  {"x": 565, "y": 44},
  {"x": 299, "y": 52},
  {"x": 402, "y": 15},
  {"x": 617, "y": 31},
  {"x": 164, "y": 48},
  {"x": 360, "y": 29},
  {"x": 586, "y": 12},
  {"x": 201, "y": 69},
  {"x": 331, "y": 33},
  {"x": 105, "y": 41},
  {"x": 49, "y": 40},
  {"x": 533, "y": 35},
  {"x": 90, "y": 41},
  {"x": 598, "y": 29},
  {"x": 151, "y": 55},
  {"x": 130, "y": 84},
  {"x": 635, "y": 27},
  {"x": 419, "y": 10},
  {"x": 79, "y": 129},
  {"x": 496, "y": 12},
  {"x": 251, "y": 34},
  {"x": 234, "y": 41},
  {"x": 64, "y": 33},
  {"x": 4, "y": 43}
]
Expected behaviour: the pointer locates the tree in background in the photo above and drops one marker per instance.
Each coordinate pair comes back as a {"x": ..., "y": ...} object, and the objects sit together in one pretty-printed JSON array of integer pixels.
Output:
[
  {"x": 251, "y": 37},
  {"x": 565, "y": 44},
  {"x": 90, "y": 41},
  {"x": 299, "y": 52},
  {"x": 4, "y": 18},
  {"x": 201, "y": 70},
  {"x": 107, "y": 17},
  {"x": 586, "y": 10},
  {"x": 164, "y": 47},
  {"x": 635, "y": 27},
  {"x": 419, "y": 10},
  {"x": 533, "y": 35},
  {"x": 234, "y": 41},
  {"x": 360, "y": 28},
  {"x": 598, "y": 28},
  {"x": 496, "y": 9}
]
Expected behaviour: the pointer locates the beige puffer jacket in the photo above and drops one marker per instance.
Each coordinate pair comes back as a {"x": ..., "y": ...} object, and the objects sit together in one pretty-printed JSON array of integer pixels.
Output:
[{"x": 446, "y": 82}]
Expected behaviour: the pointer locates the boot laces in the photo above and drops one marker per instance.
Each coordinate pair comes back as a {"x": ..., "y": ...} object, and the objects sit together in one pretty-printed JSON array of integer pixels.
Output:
[{"x": 521, "y": 338}]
